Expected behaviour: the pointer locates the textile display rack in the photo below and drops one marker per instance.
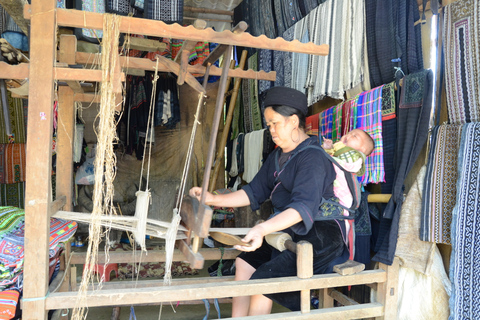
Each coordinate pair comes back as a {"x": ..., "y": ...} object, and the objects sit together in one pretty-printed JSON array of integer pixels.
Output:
[{"x": 43, "y": 70}]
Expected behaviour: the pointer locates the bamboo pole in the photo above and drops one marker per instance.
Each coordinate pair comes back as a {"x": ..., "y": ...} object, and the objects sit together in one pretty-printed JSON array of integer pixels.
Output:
[{"x": 228, "y": 122}]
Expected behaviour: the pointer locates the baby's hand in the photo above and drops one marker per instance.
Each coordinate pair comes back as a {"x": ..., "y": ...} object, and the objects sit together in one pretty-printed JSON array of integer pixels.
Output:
[{"x": 327, "y": 144}]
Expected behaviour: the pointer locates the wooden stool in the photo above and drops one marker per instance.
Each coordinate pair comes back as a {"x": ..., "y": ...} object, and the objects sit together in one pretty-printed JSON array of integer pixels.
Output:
[{"x": 104, "y": 270}]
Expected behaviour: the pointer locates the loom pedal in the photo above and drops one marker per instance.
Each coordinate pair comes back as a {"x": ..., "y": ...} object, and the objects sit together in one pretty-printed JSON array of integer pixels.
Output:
[{"x": 349, "y": 267}]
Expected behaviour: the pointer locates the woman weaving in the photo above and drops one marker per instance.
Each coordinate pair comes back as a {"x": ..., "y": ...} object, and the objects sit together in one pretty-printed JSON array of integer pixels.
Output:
[{"x": 296, "y": 178}]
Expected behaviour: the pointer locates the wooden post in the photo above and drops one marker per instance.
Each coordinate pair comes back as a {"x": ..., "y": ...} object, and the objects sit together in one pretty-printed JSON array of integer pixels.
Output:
[
  {"x": 304, "y": 271},
  {"x": 66, "y": 126},
  {"x": 39, "y": 158},
  {"x": 228, "y": 122},
  {"x": 387, "y": 292}
]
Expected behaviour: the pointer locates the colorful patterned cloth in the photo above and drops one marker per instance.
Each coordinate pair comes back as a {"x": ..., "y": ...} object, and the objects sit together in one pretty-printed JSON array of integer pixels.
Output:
[
  {"x": 12, "y": 163},
  {"x": 368, "y": 117},
  {"x": 311, "y": 125},
  {"x": 10, "y": 218},
  {"x": 439, "y": 193},
  {"x": 12, "y": 195},
  {"x": 8, "y": 303},
  {"x": 17, "y": 121},
  {"x": 462, "y": 59},
  {"x": 326, "y": 123},
  {"x": 464, "y": 262},
  {"x": 388, "y": 101}
]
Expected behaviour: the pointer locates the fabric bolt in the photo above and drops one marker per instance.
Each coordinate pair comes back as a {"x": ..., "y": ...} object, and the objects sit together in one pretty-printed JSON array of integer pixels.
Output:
[
  {"x": 256, "y": 115},
  {"x": 253, "y": 154},
  {"x": 464, "y": 263},
  {"x": 461, "y": 34},
  {"x": 13, "y": 195},
  {"x": 412, "y": 134},
  {"x": 17, "y": 121},
  {"x": 12, "y": 163},
  {"x": 168, "y": 11},
  {"x": 368, "y": 117},
  {"x": 440, "y": 184},
  {"x": 311, "y": 125}
]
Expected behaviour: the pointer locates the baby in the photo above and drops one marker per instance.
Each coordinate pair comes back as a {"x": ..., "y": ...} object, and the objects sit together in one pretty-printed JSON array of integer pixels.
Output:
[{"x": 350, "y": 152}]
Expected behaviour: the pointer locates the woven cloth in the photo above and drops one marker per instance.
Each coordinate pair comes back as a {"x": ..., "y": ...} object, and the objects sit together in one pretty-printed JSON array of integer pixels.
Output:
[
  {"x": 265, "y": 63},
  {"x": 17, "y": 121},
  {"x": 388, "y": 101},
  {"x": 256, "y": 116},
  {"x": 253, "y": 152},
  {"x": 461, "y": 34},
  {"x": 440, "y": 184},
  {"x": 8, "y": 303},
  {"x": 10, "y": 218},
  {"x": 311, "y": 125},
  {"x": 464, "y": 262},
  {"x": 326, "y": 123},
  {"x": 337, "y": 122},
  {"x": 12, "y": 195},
  {"x": 342, "y": 68},
  {"x": 121, "y": 7},
  {"x": 300, "y": 60},
  {"x": 97, "y": 6},
  {"x": 168, "y": 11},
  {"x": 12, "y": 163},
  {"x": 368, "y": 117},
  {"x": 287, "y": 59}
]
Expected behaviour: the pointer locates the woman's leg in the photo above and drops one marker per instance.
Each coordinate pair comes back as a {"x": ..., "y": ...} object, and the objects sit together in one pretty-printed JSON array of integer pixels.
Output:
[
  {"x": 259, "y": 304},
  {"x": 243, "y": 271}
]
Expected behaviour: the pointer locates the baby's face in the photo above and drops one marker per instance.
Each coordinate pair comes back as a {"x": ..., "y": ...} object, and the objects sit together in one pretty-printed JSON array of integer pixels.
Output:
[{"x": 355, "y": 139}]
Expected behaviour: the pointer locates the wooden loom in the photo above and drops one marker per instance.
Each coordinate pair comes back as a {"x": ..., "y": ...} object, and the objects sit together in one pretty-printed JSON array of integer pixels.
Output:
[{"x": 42, "y": 71}]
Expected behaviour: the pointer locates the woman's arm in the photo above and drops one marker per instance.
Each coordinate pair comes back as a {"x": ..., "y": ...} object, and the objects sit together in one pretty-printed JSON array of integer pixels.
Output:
[
  {"x": 233, "y": 200},
  {"x": 279, "y": 222}
]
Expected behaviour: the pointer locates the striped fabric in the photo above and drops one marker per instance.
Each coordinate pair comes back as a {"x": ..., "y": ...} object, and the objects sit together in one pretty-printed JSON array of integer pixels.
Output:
[
  {"x": 12, "y": 163},
  {"x": 439, "y": 193},
  {"x": 10, "y": 219},
  {"x": 326, "y": 123},
  {"x": 368, "y": 117},
  {"x": 168, "y": 11},
  {"x": 337, "y": 122},
  {"x": 462, "y": 59},
  {"x": 8, "y": 303}
]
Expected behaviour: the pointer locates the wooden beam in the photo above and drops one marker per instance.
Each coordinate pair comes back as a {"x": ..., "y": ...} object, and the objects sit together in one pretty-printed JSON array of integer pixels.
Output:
[
  {"x": 184, "y": 53},
  {"x": 147, "y": 64},
  {"x": 220, "y": 49},
  {"x": 190, "y": 79},
  {"x": 39, "y": 158},
  {"x": 92, "y": 75},
  {"x": 208, "y": 290},
  {"x": 58, "y": 204},
  {"x": 87, "y": 97},
  {"x": 204, "y": 10},
  {"x": 156, "y": 28},
  {"x": 65, "y": 143},
  {"x": 195, "y": 259},
  {"x": 143, "y": 44},
  {"x": 9, "y": 71}
]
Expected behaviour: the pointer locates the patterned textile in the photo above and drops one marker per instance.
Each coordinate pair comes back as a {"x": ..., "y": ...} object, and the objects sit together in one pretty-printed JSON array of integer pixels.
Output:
[
  {"x": 10, "y": 219},
  {"x": 326, "y": 123},
  {"x": 17, "y": 121},
  {"x": 247, "y": 114},
  {"x": 287, "y": 59},
  {"x": 311, "y": 125},
  {"x": 8, "y": 303},
  {"x": 369, "y": 118},
  {"x": 388, "y": 101},
  {"x": 337, "y": 122},
  {"x": 13, "y": 195},
  {"x": 281, "y": 26},
  {"x": 464, "y": 262},
  {"x": 265, "y": 63},
  {"x": 12, "y": 244},
  {"x": 279, "y": 68},
  {"x": 343, "y": 68},
  {"x": 121, "y": 7},
  {"x": 300, "y": 60},
  {"x": 440, "y": 184},
  {"x": 168, "y": 11},
  {"x": 253, "y": 153},
  {"x": 461, "y": 34},
  {"x": 12, "y": 163},
  {"x": 413, "y": 90},
  {"x": 97, "y": 6}
]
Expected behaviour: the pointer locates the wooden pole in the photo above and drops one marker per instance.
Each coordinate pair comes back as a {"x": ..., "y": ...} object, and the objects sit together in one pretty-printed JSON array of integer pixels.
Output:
[
  {"x": 304, "y": 271},
  {"x": 39, "y": 158},
  {"x": 228, "y": 122}
]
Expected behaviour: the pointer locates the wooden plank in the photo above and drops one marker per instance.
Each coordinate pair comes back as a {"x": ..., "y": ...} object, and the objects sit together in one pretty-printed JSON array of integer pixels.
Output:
[
  {"x": 156, "y": 28},
  {"x": 39, "y": 159},
  {"x": 67, "y": 49},
  {"x": 387, "y": 292},
  {"x": 343, "y": 299},
  {"x": 143, "y": 44},
  {"x": 87, "y": 97},
  {"x": 208, "y": 290},
  {"x": 195, "y": 259},
  {"x": 362, "y": 311},
  {"x": 9, "y": 71},
  {"x": 115, "y": 285},
  {"x": 147, "y": 64},
  {"x": 65, "y": 141},
  {"x": 220, "y": 49},
  {"x": 81, "y": 74},
  {"x": 58, "y": 204},
  {"x": 209, "y": 254},
  {"x": 349, "y": 267}
]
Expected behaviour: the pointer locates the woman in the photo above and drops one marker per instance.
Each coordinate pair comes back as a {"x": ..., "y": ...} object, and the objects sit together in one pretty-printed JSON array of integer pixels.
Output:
[{"x": 296, "y": 178}]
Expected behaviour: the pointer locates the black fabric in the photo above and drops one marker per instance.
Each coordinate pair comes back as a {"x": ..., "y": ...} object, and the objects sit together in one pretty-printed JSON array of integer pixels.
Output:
[
  {"x": 284, "y": 96},
  {"x": 389, "y": 133},
  {"x": 412, "y": 135},
  {"x": 329, "y": 249}
]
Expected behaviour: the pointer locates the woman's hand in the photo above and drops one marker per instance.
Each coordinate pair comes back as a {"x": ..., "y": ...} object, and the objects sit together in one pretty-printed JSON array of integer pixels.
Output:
[
  {"x": 327, "y": 144},
  {"x": 196, "y": 192},
  {"x": 254, "y": 238}
]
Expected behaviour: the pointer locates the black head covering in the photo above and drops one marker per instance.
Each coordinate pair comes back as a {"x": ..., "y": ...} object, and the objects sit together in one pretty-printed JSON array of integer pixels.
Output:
[{"x": 284, "y": 96}]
